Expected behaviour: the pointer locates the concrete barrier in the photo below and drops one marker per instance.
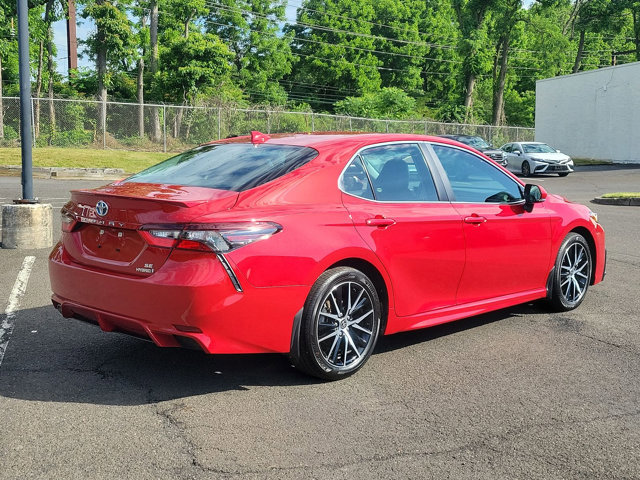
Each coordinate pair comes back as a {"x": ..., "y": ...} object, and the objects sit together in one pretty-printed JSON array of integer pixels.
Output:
[{"x": 27, "y": 226}]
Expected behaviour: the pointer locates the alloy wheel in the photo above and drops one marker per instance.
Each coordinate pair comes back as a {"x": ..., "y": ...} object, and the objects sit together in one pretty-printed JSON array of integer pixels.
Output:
[
  {"x": 345, "y": 325},
  {"x": 574, "y": 273}
]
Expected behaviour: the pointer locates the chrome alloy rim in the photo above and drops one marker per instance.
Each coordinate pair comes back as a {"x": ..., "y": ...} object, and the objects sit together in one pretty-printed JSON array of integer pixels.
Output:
[
  {"x": 345, "y": 325},
  {"x": 574, "y": 272}
]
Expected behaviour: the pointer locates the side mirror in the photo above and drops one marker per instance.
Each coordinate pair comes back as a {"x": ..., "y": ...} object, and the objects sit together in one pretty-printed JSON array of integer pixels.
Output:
[
  {"x": 533, "y": 194},
  {"x": 558, "y": 151},
  {"x": 516, "y": 152}
]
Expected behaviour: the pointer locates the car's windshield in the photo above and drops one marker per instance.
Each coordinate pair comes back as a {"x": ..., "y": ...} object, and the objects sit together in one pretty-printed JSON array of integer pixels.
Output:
[
  {"x": 537, "y": 148},
  {"x": 235, "y": 166},
  {"x": 476, "y": 142}
]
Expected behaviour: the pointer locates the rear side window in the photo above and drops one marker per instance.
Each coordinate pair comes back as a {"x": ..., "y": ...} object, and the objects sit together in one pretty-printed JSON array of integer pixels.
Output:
[
  {"x": 399, "y": 173},
  {"x": 236, "y": 166}
]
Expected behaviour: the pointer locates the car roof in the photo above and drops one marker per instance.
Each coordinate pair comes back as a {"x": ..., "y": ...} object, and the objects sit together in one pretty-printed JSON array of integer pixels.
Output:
[{"x": 347, "y": 139}]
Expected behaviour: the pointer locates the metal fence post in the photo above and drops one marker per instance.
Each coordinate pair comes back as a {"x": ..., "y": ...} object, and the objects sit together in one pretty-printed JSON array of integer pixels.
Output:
[
  {"x": 219, "y": 123},
  {"x": 164, "y": 128},
  {"x": 313, "y": 125},
  {"x": 350, "y": 126}
]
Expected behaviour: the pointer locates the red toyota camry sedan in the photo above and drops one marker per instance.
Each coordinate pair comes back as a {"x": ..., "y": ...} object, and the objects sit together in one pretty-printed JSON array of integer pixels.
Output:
[{"x": 316, "y": 245}]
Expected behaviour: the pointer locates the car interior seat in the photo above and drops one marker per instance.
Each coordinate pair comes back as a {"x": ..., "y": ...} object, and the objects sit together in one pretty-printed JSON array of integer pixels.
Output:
[{"x": 393, "y": 181}]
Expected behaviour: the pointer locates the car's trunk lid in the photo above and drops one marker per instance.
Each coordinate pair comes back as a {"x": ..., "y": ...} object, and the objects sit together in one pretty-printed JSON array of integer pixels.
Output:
[{"x": 109, "y": 234}]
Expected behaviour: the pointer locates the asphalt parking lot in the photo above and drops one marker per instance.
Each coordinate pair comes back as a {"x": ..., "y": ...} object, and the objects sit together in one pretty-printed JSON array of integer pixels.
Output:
[{"x": 520, "y": 393}]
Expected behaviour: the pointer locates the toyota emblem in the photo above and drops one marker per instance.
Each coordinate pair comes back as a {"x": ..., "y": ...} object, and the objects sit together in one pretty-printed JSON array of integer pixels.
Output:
[{"x": 102, "y": 208}]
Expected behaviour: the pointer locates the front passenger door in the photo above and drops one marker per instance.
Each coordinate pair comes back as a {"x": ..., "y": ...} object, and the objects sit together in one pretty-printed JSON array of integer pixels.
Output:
[{"x": 508, "y": 249}]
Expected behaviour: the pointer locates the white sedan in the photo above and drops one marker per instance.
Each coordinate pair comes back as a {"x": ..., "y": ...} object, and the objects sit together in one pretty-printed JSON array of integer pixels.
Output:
[{"x": 530, "y": 158}]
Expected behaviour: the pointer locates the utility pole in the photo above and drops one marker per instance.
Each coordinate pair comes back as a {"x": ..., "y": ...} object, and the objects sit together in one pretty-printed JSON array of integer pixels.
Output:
[
  {"x": 72, "y": 41},
  {"x": 25, "y": 101}
]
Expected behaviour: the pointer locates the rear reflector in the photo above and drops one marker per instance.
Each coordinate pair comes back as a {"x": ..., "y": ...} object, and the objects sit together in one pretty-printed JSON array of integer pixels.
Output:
[{"x": 187, "y": 328}]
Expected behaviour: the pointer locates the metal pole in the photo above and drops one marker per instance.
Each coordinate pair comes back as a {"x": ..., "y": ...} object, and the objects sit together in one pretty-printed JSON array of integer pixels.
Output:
[
  {"x": 25, "y": 97},
  {"x": 219, "y": 124},
  {"x": 313, "y": 123}
]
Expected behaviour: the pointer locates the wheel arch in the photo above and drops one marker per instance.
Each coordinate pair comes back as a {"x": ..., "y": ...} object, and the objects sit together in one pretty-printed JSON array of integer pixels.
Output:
[
  {"x": 379, "y": 282},
  {"x": 376, "y": 277},
  {"x": 592, "y": 249}
]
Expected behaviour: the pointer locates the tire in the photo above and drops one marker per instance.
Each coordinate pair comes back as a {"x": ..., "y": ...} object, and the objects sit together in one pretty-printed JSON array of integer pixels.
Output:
[
  {"x": 572, "y": 273},
  {"x": 526, "y": 169},
  {"x": 563, "y": 174},
  {"x": 340, "y": 324}
]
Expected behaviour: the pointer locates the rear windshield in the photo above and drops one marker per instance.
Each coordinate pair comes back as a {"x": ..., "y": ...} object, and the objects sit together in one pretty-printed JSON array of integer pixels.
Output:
[{"x": 235, "y": 166}]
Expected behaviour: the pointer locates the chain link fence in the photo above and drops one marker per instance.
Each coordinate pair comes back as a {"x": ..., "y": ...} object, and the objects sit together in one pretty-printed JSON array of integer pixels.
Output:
[{"x": 172, "y": 128}]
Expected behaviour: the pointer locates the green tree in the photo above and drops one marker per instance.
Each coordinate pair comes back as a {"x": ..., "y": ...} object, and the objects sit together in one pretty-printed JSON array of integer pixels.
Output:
[
  {"x": 262, "y": 56},
  {"x": 389, "y": 102},
  {"x": 111, "y": 46},
  {"x": 473, "y": 46},
  {"x": 336, "y": 48}
]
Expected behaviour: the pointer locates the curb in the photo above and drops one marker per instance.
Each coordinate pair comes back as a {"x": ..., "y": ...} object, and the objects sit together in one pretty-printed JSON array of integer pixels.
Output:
[
  {"x": 632, "y": 201},
  {"x": 66, "y": 173}
]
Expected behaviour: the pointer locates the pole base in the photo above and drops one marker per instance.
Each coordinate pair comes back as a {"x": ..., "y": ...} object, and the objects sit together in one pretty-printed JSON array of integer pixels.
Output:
[{"x": 27, "y": 226}]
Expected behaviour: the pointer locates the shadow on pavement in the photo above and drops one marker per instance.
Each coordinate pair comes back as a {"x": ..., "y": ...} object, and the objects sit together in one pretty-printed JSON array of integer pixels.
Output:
[{"x": 68, "y": 361}]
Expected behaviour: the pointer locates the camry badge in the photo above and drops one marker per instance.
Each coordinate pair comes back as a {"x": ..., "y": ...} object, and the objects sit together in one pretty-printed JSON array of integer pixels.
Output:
[{"x": 102, "y": 208}]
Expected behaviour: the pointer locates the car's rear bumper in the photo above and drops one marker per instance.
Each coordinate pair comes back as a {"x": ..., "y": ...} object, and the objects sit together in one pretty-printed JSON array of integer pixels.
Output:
[{"x": 187, "y": 298}]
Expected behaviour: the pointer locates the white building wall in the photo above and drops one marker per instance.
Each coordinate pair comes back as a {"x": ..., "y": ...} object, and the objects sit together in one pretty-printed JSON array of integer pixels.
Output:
[{"x": 593, "y": 114}]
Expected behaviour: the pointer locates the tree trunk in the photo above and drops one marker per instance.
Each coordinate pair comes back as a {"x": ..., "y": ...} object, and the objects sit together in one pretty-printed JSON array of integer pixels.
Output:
[
  {"x": 153, "y": 37},
  {"x": 1, "y": 105},
  {"x": 571, "y": 21},
  {"x": 177, "y": 124},
  {"x": 576, "y": 65},
  {"x": 141, "y": 88},
  {"x": 141, "y": 96},
  {"x": 468, "y": 97},
  {"x": 101, "y": 64},
  {"x": 36, "y": 113},
  {"x": 50, "y": 70},
  {"x": 498, "y": 95},
  {"x": 636, "y": 34}
]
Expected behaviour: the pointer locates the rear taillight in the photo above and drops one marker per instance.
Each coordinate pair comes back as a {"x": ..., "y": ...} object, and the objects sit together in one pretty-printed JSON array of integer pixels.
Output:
[
  {"x": 213, "y": 237},
  {"x": 69, "y": 221}
]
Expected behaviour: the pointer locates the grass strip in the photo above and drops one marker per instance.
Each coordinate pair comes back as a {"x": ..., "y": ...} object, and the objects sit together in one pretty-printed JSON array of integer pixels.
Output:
[
  {"x": 621, "y": 195},
  {"x": 129, "y": 161}
]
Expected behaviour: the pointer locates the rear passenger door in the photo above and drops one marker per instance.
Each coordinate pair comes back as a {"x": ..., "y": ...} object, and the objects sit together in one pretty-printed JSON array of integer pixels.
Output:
[
  {"x": 395, "y": 206},
  {"x": 507, "y": 249}
]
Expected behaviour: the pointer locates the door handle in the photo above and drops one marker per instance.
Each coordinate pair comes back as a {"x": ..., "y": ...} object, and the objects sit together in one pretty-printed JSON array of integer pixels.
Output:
[
  {"x": 380, "y": 221},
  {"x": 475, "y": 219}
]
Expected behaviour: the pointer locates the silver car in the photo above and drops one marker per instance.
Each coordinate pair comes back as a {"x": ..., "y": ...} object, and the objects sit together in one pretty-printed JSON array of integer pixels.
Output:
[{"x": 530, "y": 158}]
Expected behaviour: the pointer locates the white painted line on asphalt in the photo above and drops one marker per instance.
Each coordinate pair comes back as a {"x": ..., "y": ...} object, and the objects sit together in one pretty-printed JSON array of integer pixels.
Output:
[{"x": 6, "y": 327}]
